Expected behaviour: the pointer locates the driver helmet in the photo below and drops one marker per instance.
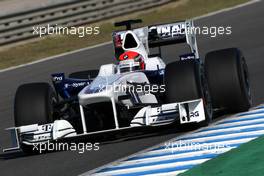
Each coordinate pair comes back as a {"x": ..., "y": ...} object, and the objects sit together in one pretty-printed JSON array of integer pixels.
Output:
[{"x": 130, "y": 61}]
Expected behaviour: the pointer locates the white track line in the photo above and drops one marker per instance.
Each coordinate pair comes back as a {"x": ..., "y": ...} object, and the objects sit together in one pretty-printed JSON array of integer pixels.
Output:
[
  {"x": 223, "y": 136},
  {"x": 170, "y": 157},
  {"x": 259, "y": 112},
  {"x": 167, "y": 174},
  {"x": 200, "y": 141},
  {"x": 252, "y": 111},
  {"x": 166, "y": 154},
  {"x": 227, "y": 9},
  {"x": 183, "y": 148},
  {"x": 172, "y": 164},
  {"x": 243, "y": 122},
  {"x": 147, "y": 168},
  {"x": 233, "y": 129}
]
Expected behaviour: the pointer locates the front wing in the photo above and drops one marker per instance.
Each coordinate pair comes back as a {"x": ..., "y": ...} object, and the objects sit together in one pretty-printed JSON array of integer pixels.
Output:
[{"x": 184, "y": 112}]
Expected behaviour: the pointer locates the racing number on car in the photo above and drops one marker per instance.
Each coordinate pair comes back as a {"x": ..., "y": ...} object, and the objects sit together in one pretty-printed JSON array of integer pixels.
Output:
[
  {"x": 194, "y": 114},
  {"x": 191, "y": 114}
]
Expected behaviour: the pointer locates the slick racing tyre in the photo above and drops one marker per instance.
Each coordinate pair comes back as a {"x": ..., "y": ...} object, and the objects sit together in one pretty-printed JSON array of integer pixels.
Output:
[
  {"x": 228, "y": 79},
  {"x": 89, "y": 74},
  {"x": 185, "y": 80},
  {"x": 34, "y": 104}
]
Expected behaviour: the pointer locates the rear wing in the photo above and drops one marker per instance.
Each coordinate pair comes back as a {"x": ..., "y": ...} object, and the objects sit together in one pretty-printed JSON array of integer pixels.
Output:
[
  {"x": 161, "y": 35},
  {"x": 166, "y": 34}
]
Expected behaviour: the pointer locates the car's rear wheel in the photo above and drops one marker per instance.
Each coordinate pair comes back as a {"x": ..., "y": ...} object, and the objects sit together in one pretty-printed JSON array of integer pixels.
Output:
[
  {"x": 185, "y": 80},
  {"x": 88, "y": 74},
  {"x": 228, "y": 79},
  {"x": 34, "y": 105}
]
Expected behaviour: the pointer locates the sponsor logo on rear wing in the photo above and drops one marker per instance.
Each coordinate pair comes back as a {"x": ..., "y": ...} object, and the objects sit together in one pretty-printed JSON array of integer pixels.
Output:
[
  {"x": 168, "y": 30},
  {"x": 166, "y": 34}
]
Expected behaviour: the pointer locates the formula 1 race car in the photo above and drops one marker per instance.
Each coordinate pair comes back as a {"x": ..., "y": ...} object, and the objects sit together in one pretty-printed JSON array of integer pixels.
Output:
[{"x": 139, "y": 91}]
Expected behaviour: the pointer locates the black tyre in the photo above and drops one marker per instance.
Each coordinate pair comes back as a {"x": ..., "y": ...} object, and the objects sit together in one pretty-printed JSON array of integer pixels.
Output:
[
  {"x": 89, "y": 74},
  {"x": 228, "y": 79},
  {"x": 34, "y": 104},
  {"x": 185, "y": 80}
]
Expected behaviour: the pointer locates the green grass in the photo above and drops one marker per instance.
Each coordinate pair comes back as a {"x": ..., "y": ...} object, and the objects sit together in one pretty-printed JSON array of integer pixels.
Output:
[
  {"x": 246, "y": 160},
  {"x": 53, "y": 45}
]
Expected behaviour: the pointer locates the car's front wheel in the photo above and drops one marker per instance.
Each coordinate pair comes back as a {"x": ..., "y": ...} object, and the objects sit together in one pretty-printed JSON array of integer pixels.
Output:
[
  {"x": 34, "y": 104},
  {"x": 184, "y": 81}
]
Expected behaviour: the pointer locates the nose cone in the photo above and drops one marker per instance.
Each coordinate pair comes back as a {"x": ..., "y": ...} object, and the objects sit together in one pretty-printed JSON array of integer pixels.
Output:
[
  {"x": 99, "y": 90},
  {"x": 89, "y": 95}
]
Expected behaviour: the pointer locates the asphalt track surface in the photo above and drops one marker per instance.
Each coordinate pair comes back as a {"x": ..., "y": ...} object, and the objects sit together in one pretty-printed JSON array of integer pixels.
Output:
[{"x": 247, "y": 34}]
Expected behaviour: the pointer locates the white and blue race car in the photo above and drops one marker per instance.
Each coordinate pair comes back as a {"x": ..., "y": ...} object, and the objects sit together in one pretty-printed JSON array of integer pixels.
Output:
[{"x": 139, "y": 90}]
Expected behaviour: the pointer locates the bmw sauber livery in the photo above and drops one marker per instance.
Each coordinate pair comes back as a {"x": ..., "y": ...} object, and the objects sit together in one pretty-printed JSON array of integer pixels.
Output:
[{"x": 138, "y": 90}]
